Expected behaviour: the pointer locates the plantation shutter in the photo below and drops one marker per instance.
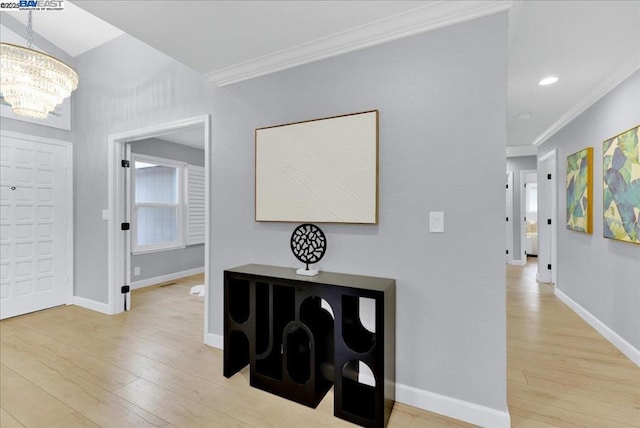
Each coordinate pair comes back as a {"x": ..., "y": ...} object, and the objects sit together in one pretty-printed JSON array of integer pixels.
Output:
[{"x": 195, "y": 205}]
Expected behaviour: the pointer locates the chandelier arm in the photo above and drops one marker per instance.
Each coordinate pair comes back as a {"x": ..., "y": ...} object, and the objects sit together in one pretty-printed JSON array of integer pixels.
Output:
[{"x": 30, "y": 29}]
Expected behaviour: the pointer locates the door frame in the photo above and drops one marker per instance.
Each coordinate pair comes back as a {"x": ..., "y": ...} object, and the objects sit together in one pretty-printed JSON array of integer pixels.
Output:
[
  {"x": 68, "y": 146},
  {"x": 552, "y": 188},
  {"x": 510, "y": 216},
  {"x": 117, "y": 253}
]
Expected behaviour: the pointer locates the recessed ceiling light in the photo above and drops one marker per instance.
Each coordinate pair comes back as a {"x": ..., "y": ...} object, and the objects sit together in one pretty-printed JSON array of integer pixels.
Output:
[
  {"x": 548, "y": 81},
  {"x": 524, "y": 116}
]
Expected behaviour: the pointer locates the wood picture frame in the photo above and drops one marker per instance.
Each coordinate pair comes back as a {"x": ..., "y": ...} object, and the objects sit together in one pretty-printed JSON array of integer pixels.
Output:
[
  {"x": 621, "y": 186},
  {"x": 579, "y": 189},
  {"x": 318, "y": 171}
]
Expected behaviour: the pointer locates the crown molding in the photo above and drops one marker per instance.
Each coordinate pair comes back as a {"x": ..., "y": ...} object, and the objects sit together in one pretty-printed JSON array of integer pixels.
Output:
[
  {"x": 435, "y": 15},
  {"x": 515, "y": 151},
  {"x": 624, "y": 71}
]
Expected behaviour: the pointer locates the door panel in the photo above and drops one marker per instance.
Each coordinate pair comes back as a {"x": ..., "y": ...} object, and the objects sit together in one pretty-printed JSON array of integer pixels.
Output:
[{"x": 33, "y": 225}]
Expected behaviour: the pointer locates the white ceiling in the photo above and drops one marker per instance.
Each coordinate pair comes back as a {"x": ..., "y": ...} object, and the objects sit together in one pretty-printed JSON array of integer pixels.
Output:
[
  {"x": 590, "y": 45},
  {"x": 73, "y": 29}
]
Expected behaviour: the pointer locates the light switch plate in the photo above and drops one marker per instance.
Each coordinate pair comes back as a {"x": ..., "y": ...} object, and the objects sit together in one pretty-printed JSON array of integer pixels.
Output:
[
  {"x": 105, "y": 214},
  {"x": 436, "y": 222}
]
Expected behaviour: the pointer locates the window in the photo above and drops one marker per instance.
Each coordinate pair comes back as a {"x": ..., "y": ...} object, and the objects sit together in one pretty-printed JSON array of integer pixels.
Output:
[{"x": 157, "y": 195}]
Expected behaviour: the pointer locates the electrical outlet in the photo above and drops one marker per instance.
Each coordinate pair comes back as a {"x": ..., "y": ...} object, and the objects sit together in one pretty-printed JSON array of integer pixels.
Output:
[{"x": 136, "y": 271}]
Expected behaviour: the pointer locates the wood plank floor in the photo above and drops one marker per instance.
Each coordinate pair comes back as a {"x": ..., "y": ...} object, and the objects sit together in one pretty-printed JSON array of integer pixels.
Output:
[
  {"x": 561, "y": 372},
  {"x": 70, "y": 367}
]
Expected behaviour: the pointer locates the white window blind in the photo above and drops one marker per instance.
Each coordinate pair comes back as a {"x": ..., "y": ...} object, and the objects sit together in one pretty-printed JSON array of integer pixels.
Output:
[
  {"x": 157, "y": 216},
  {"x": 195, "y": 204}
]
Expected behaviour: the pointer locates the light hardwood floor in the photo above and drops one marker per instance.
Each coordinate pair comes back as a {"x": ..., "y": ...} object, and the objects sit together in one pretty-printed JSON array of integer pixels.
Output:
[
  {"x": 561, "y": 372},
  {"x": 70, "y": 367}
]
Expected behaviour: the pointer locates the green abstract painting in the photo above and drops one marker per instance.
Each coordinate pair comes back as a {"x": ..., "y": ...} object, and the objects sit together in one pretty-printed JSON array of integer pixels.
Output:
[
  {"x": 621, "y": 176},
  {"x": 580, "y": 191}
]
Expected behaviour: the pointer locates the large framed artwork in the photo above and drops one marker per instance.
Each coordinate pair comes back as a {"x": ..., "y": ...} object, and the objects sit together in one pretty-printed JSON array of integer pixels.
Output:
[
  {"x": 580, "y": 191},
  {"x": 319, "y": 171},
  {"x": 621, "y": 186}
]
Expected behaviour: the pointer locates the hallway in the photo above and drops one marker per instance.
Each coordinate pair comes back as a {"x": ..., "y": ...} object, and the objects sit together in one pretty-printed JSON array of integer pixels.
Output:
[{"x": 561, "y": 372}]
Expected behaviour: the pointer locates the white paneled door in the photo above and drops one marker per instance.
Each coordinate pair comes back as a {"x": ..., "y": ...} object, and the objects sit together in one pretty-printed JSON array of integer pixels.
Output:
[{"x": 34, "y": 205}]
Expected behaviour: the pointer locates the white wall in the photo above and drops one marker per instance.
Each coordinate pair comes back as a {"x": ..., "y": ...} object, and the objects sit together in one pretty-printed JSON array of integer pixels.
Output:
[
  {"x": 442, "y": 103},
  {"x": 125, "y": 85},
  {"x": 601, "y": 275}
]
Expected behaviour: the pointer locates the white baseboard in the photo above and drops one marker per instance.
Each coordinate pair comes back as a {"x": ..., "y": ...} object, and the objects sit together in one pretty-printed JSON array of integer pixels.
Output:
[
  {"x": 164, "y": 278},
  {"x": 92, "y": 305},
  {"x": 625, "y": 347},
  {"x": 452, "y": 407},
  {"x": 214, "y": 340},
  {"x": 429, "y": 401}
]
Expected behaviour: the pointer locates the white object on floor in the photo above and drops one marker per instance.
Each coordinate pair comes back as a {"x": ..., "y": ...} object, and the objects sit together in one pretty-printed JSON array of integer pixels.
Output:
[
  {"x": 197, "y": 289},
  {"x": 307, "y": 272}
]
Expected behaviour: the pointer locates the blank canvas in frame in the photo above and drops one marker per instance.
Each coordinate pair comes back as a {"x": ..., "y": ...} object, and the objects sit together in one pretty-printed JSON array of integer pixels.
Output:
[{"x": 319, "y": 171}]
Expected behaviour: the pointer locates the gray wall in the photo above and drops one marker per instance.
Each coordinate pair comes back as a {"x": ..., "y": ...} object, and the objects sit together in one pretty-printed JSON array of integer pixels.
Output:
[
  {"x": 165, "y": 262},
  {"x": 125, "y": 85},
  {"x": 442, "y": 103},
  {"x": 168, "y": 150},
  {"x": 601, "y": 275},
  {"x": 516, "y": 165},
  {"x": 31, "y": 128}
]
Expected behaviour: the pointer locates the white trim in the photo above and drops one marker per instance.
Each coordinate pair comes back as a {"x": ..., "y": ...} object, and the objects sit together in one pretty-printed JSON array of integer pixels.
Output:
[
  {"x": 516, "y": 151},
  {"x": 70, "y": 223},
  {"x": 116, "y": 239},
  {"x": 452, "y": 407},
  {"x": 164, "y": 278},
  {"x": 214, "y": 340},
  {"x": 542, "y": 275},
  {"x": 623, "y": 72},
  {"x": 68, "y": 146},
  {"x": 509, "y": 193},
  {"x": 103, "y": 308},
  {"x": 616, "y": 340},
  {"x": 432, "y": 16}
]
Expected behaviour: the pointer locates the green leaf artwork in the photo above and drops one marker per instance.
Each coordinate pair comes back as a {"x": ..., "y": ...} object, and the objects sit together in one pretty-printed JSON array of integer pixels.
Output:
[
  {"x": 580, "y": 191},
  {"x": 621, "y": 196}
]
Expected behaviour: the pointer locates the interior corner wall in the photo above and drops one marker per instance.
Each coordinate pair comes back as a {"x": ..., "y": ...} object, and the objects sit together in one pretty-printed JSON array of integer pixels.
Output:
[
  {"x": 601, "y": 275},
  {"x": 517, "y": 164},
  {"x": 124, "y": 85},
  {"x": 442, "y": 102}
]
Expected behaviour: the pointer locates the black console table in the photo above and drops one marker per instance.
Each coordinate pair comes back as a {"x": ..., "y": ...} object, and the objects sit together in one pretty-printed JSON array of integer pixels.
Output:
[{"x": 274, "y": 321}]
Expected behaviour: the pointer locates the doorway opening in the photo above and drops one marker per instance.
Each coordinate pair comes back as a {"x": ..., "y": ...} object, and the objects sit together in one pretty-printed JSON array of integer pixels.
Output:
[
  {"x": 529, "y": 208},
  {"x": 167, "y": 212}
]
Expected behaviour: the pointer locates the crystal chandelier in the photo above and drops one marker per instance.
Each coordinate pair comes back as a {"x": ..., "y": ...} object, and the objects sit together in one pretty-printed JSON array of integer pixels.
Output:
[{"x": 33, "y": 82}]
